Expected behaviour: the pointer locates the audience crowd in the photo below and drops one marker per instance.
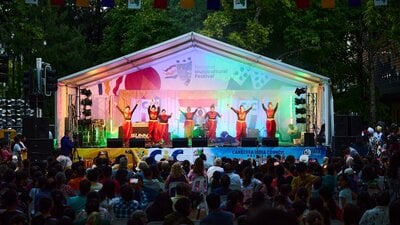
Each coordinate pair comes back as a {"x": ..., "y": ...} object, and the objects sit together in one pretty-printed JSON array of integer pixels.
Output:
[{"x": 347, "y": 188}]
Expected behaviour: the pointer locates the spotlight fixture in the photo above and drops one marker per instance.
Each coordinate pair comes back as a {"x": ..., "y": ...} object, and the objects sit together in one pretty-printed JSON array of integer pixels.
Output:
[
  {"x": 86, "y": 92},
  {"x": 300, "y": 120},
  {"x": 300, "y": 111},
  {"x": 86, "y": 101},
  {"x": 299, "y": 101},
  {"x": 300, "y": 91}
]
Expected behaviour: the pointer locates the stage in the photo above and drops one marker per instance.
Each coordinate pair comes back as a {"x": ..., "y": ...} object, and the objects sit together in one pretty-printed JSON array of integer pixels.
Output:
[{"x": 191, "y": 153}]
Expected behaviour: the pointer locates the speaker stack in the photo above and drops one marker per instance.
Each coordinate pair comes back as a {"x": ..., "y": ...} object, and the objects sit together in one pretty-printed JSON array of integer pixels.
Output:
[
  {"x": 270, "y": 142},
  {"x": 249, "y": 142},
  {"x": 36, "y": 131},
  {"x": 180, "y": 143},
  {"x": 137, "y": 143},
  {"x": 114, "y": 142},
  {"x": 199, "y": 142}
]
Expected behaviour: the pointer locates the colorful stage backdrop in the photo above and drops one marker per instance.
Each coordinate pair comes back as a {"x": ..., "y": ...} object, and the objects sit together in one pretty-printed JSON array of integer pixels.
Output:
[{"x": 179, "y": 75}]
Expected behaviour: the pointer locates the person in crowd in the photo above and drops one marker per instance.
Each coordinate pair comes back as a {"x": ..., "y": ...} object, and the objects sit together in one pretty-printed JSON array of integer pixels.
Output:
[
  {"x": 241, "y": 125},
  {"x": 234, "y": 203},
  {"x": 330, "y": 203},
  {"x": 44, "y": 215},
  {"x": 93, "y": 176},
  {"x": 189, "y": 123},
  {"x": 270, "y": 124},
  {"x": 198, "y": 170},
  {"x": 380, "y": 213},
  {"x": 139, "y": 217},
  {"x": 212, "y": 123},
  {"x": 267, "y": 188},
  {"x": 124, "y": 205},
  {"x": 61, "y": 180},
  {"x": 67, "y": 144},
  {"x": 271, "y": 216},
  {"x": 176, "y": 175},
  {"x": 304, "y": 179},
  {"x": 183, "y": 190},
  {"x": 235, "y": 181},
  {"x": 314, "y": 217},
  {"x": 152, "y": 187},
  {"x": 216, "y": 167},
  {"x": 161, "y": 207},
  {"x": 298, "y": 209},
  {"x": 345, "y": 193},
  {"x": 78, "y": 174},
  {"x": 94, "y": 211},
  {"x": 127, "y": 124},
  {"x": 316, "y": 203},
  {"x": 106, "y": 176},
  {"x": 216, "y": 216},
  {"x": 18, "y": 148},
  {"x": 215, "y": 181},
  {"x": 183, "y": 209},
  {"x": 249, "y": 183},
  {"x": 78, "y": 202},
  {"x": 6, "y": 154},
  {"x": 10, "y": 198},
  {"x": 329, "y": 180}
]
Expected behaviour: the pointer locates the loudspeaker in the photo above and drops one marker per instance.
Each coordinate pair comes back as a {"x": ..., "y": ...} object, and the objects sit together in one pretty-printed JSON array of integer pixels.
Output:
[
  {"x": 199, "y": 142},
  {"x": 249, "y": 142},
  {"x": 270, "y": 142},
  {"x": 137, "y": 143},
  {"x": 341, "y": 125},
  {"x": 39, "y": 149},
  {"x": 180, "y": 143},
  {"x": 309, "y": 140},
  {"x": 35, "y": 128},
  {"x": 356, "y": 125},
  {"x": 114, "y": 143},
  {"x": 39, "y": 145}
]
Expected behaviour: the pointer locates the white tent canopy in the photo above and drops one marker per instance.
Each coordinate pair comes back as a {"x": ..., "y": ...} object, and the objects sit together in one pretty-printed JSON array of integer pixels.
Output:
[{"x": 200, "y": 51}]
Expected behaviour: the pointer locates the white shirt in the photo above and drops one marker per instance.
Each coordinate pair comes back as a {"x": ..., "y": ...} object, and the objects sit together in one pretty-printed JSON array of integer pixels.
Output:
[{"x": 211, "y": 171}]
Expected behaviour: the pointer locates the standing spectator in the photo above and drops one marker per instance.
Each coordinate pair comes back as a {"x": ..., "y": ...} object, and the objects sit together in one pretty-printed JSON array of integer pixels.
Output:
[
  {"x": 345, "y": 194},
  {"x": 216, "y": 216},
  {"x": 62, "y": 186},
  {"x": 351, "y": 214},
  {"x": 66, "y": 144},
  {"x": 216, "y": 167},
  {"x": 304, "y": 179},
  {"x": 380, "y": 214},
  {"x": 18, "y": 148}
]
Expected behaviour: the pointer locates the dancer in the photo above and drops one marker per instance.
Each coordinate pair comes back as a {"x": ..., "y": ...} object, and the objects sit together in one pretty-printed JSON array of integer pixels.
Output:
[
  {"x": 241, "y": 125},
  {"x": 163, "y": 126},
  {"x": 127, "y": 124},
  {"x": 270, "y": 124},
  {"x": 189, "y": 123},
  {"x": 212, "y": 122},
  {"x": 154, "y": 111}
]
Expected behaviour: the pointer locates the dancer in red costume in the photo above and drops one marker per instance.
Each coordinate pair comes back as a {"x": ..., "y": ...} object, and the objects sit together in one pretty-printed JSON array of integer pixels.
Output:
[
  {"x": 127, "y": 124},
  {"x": 163, "y": 126},
  {"x": 154, "y": 111},
  {"x": 212, "y": 123},
  {"x": 241, "y": 125},
  {"x": 270, "y": 124},
  {"x": 189, "y": 123}
]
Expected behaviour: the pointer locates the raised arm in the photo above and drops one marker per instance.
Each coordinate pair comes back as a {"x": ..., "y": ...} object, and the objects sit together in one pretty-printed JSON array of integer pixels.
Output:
[
  {"x": 249, "y": 109},
  {"x": 119, "y": 109},
  {"x": 263, "y": 105},
  {"x": 233, "y": 109},
  {"x": 276, "y": 107},
  {"x": 134, "y": 108}
]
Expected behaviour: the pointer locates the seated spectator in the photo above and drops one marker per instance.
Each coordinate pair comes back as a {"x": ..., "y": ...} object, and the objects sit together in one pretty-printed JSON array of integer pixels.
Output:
[
  {"x": 78, "y": 202},
  {"x": 93, "y": 215},
  {"x": 249, "y": 183},
  {"x": 183, "y": 209},
  {"x": 234, "y": 203},
  {"x": 78, "y": 174},
  {"x": 93, "y": 176},
  {"x": 197, "y": 170},
  {"x": 105, "y": 214},
  {"x": 124, "y": 205},
  {"x": 215, "y": 181},
  {"x": 224, "y": 189},
  {"x": 216, "y": 216},
  {"x": 44, "y": 214},
  {"x": 139, "y": 217},
  {"x": 106, "y": 177},
  {"x": 176, "y": 175},
  {"x": 161, "y": 207},
  {"x": 182, "y": 191},
  {"x": 150, "y": 185},
  {"x": 379, "y": 214},
  {"x": 236, "y": 182},
  {"x": 10, "y": 198},
  {"x": 216, "y": 167}
]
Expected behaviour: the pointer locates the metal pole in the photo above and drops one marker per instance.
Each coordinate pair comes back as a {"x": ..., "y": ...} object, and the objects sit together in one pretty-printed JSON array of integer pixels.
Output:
[{"x": 38, "y": 86}]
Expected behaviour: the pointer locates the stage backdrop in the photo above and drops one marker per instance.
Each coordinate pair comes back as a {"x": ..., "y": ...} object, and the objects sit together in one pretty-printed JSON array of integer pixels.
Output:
[{"x": 197, "y": 71}]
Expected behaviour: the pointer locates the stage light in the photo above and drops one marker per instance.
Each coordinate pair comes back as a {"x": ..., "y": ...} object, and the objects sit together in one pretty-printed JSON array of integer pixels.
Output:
[
  {"x": 87, "y": 112},
  {"x": 86, "y": 92},
  {"x": 300, "y": 111},
  {"x": 299, "y": 101},
  {"x": 300, "y": 120},
  {"x": 300, "y": 91},
  {"x": 86, "y": 101}
]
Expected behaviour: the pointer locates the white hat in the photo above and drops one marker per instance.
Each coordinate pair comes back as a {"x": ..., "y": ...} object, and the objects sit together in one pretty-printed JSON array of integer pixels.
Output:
[{"x": 304, "y": 158}]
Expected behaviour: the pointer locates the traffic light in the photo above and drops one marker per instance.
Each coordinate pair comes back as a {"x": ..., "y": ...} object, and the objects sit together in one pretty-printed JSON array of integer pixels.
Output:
[
  {"x": 3, "y": 68},
  {"x": 27, "y": 81},
  {"x": 51, "y": 80}
]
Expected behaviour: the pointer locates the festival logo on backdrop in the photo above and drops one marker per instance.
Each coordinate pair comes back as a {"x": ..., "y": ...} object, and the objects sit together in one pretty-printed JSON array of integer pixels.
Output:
[{"x": 182, "y": 70}]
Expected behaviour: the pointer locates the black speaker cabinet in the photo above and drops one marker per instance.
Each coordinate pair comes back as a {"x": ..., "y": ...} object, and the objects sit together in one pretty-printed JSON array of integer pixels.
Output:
[
  {"x": 309, "y": 140},
  {"x": 45, "y": 146},
  {"x": 199, "y": 142},
  {"x": 137, "y": 143},
  {"x": 270, "y": 142},
  {"x": 114, "y": 143},
  {"x": 179, "y": 142},
  {"x": 249, "y": 142},
  {"x": 35, "y": 128}
]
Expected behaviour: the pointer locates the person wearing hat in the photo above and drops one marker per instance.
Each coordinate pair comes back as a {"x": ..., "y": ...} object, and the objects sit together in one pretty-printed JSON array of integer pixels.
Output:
[{"x": 212, "y": 122}]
